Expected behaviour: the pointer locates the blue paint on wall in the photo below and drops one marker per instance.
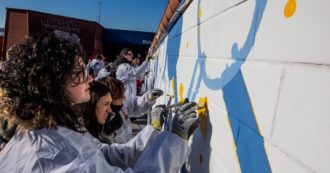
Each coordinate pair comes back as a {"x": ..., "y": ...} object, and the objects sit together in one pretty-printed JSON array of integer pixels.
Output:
[
  {"x": 248, "y": 140},
  {"x": 238, "y": 103},
  {"x": 249, "y": 143},
  {"x": 240, "y": 55},
  {"x": 172, "y": 54}
]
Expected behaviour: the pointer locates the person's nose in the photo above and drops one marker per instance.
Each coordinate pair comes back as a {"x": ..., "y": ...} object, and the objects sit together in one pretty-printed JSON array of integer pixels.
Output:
[
  {"x": 90, "y": 79},
  {"x": 109, "y": 109}
]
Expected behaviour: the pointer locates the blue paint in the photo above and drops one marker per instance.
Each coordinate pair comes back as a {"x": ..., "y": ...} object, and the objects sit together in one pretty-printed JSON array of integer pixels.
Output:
[
  {"x": 240, "y": 55},
  {"x": 172, "y": 54},
  {"x": 249, "y": 148},
  {"x": 249, "y": 143},
  {"x": 238, "y": 103},
  {"x": 248, "y": 140}
]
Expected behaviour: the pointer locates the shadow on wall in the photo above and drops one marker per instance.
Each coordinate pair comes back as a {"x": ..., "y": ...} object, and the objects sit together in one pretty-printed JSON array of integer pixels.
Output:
[{"x": 199, "y": 159}]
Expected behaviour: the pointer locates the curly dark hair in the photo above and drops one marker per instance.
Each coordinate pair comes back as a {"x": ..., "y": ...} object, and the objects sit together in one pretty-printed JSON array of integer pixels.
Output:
[{"x": 34, "y": 77}]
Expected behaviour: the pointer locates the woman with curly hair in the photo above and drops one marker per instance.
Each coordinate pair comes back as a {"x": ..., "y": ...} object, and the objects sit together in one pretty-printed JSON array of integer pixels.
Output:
[{"x": 42, "y": 81}]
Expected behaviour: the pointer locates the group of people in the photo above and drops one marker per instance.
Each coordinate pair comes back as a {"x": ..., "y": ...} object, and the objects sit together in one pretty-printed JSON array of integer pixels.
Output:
[
  {"x": 125, "y": 68},
  {"x": 54, "y": 117}
]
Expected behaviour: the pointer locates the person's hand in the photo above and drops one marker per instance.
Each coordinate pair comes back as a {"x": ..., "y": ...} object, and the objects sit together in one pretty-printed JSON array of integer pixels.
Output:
[
  {"x": 185, "y": 120},
  {"x": 158, "y": 115},
  {"x": 148, "y": 58},
  {"x": 112, "y": 123},
  {"x": 146, "y": 73},
  {"x": 155, "y": 93}
]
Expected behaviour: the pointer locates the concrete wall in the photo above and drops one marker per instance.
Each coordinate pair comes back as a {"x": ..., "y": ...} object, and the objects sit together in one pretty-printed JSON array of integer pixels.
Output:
[{"x": 264, "y": 68}]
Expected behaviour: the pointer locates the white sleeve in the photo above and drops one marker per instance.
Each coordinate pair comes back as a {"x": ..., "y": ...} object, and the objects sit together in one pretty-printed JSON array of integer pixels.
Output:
[
  {"x": 162, "y": 153},
  {"x": 126, "y": 71},
  {"x": 125, "y": 155},
  {"x": 47, "y": 151},
  {"x": 136, "y": 106},
  {"x": 166, "y": 153}
]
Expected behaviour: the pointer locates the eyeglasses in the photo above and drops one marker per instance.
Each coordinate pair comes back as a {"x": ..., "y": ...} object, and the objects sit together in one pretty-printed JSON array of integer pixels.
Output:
[
  {"x": 76, "y": 79},
  {"x": 86, "y": 72}
]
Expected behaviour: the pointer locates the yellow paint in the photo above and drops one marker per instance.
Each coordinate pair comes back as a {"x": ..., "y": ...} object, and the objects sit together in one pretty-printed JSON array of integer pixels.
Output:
[
  {"x": 156, "y": 124},
  {"x": 172, "y": 86},
  {"x": 234, "y": 145},
  {"x": 155, "y": 56},
  {"x": 187, "y": 45},
  {"x": 290, "y": 8},
  {"x": 200, "y": 12},
  {"x": 255, "y": 117},
  {"x": 202, "y": 114},
  {"x": 270, "y": 166},
  {"x": 181, "y": 93}
]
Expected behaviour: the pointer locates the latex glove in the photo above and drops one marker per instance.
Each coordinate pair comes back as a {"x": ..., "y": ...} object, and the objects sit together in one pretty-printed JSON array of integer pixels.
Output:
[
  {"x": 112, "y": 123},
  {"x": 155, "y": 93},
  {"x": 158, "y": 115},
  {"x": 185, "y": 121}
]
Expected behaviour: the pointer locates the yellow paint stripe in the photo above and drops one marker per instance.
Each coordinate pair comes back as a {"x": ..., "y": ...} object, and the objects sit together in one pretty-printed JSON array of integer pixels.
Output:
[
  {"x": 202, "y": 114},
  {"x": 234, "y": 145},
  {"x": 181, "y": 93}
]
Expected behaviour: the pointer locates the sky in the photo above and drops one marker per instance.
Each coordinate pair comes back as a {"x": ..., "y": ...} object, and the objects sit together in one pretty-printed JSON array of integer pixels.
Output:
[{"x": 136, "y": 15}]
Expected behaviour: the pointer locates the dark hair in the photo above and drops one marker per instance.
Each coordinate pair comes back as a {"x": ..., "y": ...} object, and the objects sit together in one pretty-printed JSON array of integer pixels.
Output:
[
  {"x": 98, "y": 56},
  {"x": 34, "y": 78},
  {"x": 115, "y": 86},
  {"x": 124, "y": 51},
  {"x": 98, "y": 89}
]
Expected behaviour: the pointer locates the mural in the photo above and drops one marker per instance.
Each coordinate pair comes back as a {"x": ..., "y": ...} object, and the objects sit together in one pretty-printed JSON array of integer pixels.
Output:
[{"x": 190, "y": 65}]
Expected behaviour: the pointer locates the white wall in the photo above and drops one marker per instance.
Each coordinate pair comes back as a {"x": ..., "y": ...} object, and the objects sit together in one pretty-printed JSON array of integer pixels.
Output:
[{"x": 266, "y": 78}]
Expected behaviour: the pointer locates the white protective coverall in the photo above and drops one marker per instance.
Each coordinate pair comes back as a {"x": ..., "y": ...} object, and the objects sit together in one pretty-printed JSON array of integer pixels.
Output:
[
  {"x": 128, "y": 74},
  {"x": 64, "y": 150},
  {"x": 133, "y": 106},
  {"x": 96, "y": 65}
]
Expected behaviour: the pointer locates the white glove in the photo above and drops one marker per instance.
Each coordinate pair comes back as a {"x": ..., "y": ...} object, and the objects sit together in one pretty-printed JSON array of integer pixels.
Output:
[{"x": 185, "y": 121}]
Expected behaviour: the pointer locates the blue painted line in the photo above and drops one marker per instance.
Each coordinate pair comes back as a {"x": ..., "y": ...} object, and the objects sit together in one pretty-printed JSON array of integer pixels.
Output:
[{"x": 249, "y": 143}]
